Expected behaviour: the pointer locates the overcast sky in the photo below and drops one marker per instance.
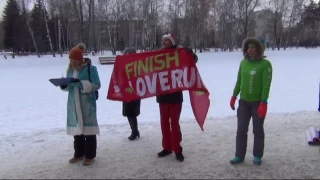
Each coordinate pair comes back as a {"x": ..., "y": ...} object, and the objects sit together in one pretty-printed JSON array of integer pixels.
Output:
[{"x": 2, "y": 4}]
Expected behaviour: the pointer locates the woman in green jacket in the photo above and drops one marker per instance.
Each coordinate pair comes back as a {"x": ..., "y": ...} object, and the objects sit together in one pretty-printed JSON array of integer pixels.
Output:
[{"x": 253, "y": 84}]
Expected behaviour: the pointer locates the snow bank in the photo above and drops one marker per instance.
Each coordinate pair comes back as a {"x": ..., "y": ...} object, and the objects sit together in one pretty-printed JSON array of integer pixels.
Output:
[{"x": 45, "y": 154}]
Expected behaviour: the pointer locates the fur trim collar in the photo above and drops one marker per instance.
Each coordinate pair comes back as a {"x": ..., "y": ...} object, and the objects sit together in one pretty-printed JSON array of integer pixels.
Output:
[{"x": 259, "y": 48}]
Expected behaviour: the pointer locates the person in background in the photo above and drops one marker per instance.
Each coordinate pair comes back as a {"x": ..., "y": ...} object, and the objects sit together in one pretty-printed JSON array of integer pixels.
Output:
[
  {"x": 170, "y": 109},
  {"x": 253, "y": 84},
  {"x": 131, "y": 110},
  {"x": 81, "y": 107}
]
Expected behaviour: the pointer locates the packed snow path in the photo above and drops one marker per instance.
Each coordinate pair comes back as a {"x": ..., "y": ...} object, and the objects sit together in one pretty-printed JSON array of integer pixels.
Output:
[{"x": 287, "y": 155}]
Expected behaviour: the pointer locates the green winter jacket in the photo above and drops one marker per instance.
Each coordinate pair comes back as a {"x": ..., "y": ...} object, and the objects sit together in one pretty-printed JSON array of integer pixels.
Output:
[{"x": 254, "y": 80}]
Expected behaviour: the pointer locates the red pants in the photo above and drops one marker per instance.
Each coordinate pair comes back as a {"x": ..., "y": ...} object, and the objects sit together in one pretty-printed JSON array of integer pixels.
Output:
[{"x": 170, "y": 127}]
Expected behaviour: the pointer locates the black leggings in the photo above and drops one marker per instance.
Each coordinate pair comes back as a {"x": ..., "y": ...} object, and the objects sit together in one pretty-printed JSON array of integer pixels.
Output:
[
  {"x": 133, "y": 123},
  {"x": 85, "y": 146}
]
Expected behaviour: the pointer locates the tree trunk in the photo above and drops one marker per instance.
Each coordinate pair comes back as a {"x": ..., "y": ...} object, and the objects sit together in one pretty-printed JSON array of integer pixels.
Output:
[
  {"x": 275, "y": 30},
  {"x": 48, "y": 31},
  {"x": 59, "y": 37},
  {"x": 81, "y": 21},
  {"x": 68, "y": 35},
  {"x": 79, "y": 17},
  {"x": 59, "y": 30},
  {"x": 109, "y": 33},
  {"x": 136, "y": 38},
  {"x": 91, "y": 2},
  {"x": 290, "y": 21},
  {"x": 63, "y": 39},
  {"x": 246, "y": 22},
  {"x": 115, "y": 39},
  {"x": 29, "y": 27},
  {"x": 56, "y": 28},
  {"x": 94, "y": 27}
]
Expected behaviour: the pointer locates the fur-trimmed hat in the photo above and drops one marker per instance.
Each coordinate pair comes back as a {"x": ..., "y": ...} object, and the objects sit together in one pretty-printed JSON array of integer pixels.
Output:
[
  {"x": 257, "y": 43},
  {"x": 171, "y": 37},
  {"x": 76, "y": 53}
]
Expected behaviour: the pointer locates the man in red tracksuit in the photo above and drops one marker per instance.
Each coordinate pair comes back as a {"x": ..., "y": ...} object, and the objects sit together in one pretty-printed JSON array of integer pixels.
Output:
[{"x": 170, "y": 110}]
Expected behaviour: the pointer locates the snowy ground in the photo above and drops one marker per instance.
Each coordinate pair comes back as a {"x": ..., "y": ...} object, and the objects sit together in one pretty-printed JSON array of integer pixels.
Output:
[{"x": 34, "y": 144}]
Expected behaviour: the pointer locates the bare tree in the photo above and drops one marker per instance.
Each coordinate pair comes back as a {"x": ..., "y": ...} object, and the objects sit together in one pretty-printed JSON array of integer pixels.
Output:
[
  {"x": 94, "y": 42},
  {"x": 213, "y": 22},
  {"x": 90, "y": 4},
  {"x": 228, "y": 25},
  {"x": 278, "y": 7},
  {"x": 131, "y": 17},
  {"x": 149, "y": 12},
  {"x": 25, "y": 13},
  {"x": 118, "y": 12},
  {"x": 47, "y": 28},
  {"x": 204, "y": 8},
  {"x": 63, "y": 10},
  {"x": 245, "y": 10},
  {"x": 59, "y": 28},
  {"x": 296, "y": 8},
  {"x": 79, "y": 15},
  {"x": 192, "y": 16}
]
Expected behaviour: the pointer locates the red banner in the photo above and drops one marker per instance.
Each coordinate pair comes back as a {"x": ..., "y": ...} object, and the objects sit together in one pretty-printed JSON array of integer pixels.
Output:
[{"x": 149, "y": 74}]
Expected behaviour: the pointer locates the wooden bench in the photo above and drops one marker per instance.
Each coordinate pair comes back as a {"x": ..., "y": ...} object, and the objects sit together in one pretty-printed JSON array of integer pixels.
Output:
[{"x": 107, "y": 60}]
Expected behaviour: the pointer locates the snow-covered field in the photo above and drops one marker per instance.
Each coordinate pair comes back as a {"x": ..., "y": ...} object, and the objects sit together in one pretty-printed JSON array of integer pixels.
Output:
[{"x": 33, "y": 117}]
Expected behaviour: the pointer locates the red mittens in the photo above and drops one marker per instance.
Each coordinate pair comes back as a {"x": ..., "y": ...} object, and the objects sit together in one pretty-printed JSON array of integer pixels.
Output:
[
  {"x": 262, "y": 110},
  {"x": 232, "y": 102}
]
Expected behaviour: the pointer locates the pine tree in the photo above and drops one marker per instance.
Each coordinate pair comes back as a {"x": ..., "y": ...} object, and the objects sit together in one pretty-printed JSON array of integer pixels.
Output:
[
  {"x": 23, "y": 38},
  {"x": 29, "y": 33},
  {"x": 309, "y": 21},
  {"x": 39, "y": 28},
  {"x": 53, "y": 26},
  {"x": 11, "y": 19}
]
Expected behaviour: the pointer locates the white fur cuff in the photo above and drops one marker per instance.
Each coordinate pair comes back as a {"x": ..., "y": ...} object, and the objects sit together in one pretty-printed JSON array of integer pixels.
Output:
[{"x": 86, "y": 86}]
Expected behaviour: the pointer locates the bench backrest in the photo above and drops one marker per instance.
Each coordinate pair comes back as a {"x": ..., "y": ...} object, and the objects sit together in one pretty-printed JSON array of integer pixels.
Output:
[{"x": 107, "y": 58}]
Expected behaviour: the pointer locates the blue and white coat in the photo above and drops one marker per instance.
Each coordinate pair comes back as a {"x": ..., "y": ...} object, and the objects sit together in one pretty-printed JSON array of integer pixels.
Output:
[{"x": 82, "y": 107}]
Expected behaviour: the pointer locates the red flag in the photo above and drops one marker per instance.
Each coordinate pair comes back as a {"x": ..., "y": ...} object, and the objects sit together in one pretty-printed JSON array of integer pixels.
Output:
[{"x": 200, "y": 104}]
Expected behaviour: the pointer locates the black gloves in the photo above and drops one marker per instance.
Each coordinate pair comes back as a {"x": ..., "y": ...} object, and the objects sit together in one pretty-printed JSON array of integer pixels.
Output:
[{"x": 63, "y": 87}]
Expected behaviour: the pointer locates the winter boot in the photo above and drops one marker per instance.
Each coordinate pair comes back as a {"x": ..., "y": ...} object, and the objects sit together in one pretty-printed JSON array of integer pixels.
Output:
[
  {"x": 134, "y": 129},
  {"x": 76, "y": 159},
  {"x": 130, "y": 123},
  {"x": 257, "y": 161},
  {"x": 236, "y": 160},
  {"x": 88, "y": 162},
  {"x": 180, "y": 157},
  {"x": 164, "y": 153}
]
